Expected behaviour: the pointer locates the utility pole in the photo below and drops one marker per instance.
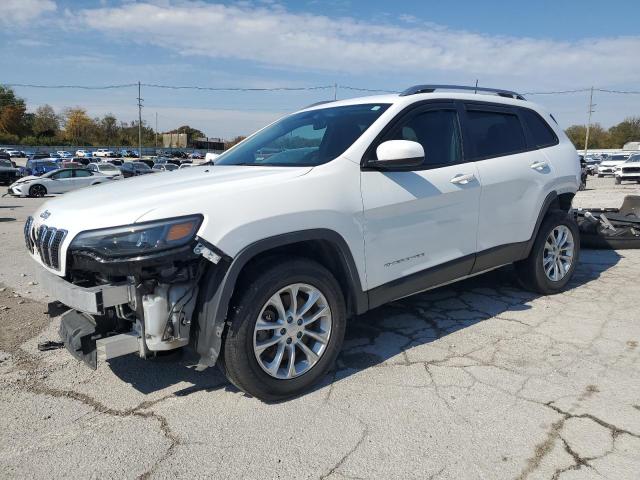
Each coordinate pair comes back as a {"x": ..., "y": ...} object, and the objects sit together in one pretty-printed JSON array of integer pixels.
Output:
[
  {"x": 335, "y": 91},
  {"x": 139, "y": 122},
  {"x": 591, "y": 110},
  {"x": 156, "y": 130}
]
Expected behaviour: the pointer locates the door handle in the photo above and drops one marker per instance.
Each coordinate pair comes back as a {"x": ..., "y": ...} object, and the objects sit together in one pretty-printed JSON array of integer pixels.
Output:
[
  {"x": 463, "y": 179},
  {"x": 539, "y": 165}
]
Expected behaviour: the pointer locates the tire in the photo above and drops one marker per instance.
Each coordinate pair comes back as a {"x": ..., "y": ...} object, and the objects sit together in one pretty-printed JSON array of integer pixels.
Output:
[
  {"x": 618, "y": 181},
  {"x": 37, "y": 191},
  {"x": 531, "y": 271},
  {"x": 239, "y": 360}
]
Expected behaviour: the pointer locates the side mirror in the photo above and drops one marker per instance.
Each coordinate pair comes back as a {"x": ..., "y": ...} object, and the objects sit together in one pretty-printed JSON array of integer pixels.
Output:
[{"x": 403, "y": 154}]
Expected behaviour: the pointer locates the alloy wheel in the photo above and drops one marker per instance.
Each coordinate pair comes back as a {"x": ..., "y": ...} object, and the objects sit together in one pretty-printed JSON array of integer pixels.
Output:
[
  {"x": 558, "y": 254},
  {"x": 292, "y": 331}
]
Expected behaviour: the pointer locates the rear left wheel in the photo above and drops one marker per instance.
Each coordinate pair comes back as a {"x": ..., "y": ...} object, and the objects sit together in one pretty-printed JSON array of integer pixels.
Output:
[{"x": 553, "y": 257}]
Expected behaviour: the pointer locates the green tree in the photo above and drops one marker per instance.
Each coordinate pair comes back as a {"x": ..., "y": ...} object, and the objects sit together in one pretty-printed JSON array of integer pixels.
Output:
[
  {"x": 626, "y": 131},
  {"x": 108, "y": 129},
  {"x": 79, "y": 128},
  {"x": 12, "y": 112},
  {"x": 598, "y": 136},
  {"x": 46, "y": 122}
]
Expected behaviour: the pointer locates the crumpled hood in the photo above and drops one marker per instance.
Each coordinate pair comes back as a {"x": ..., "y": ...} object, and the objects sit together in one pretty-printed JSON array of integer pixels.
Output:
[{"x": 162, "y": 195}]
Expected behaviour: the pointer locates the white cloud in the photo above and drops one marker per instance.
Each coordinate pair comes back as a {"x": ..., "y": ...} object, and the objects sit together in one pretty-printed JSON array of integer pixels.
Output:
[
  {"x": 22, "y": 11},
  {"x": 275, "y": 37}
]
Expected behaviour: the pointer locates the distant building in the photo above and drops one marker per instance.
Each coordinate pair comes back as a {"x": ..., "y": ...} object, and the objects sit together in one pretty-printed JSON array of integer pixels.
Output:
[
  {"x": 631, "y": 146},
  {"x": 174, "y": 140},
  {"x": 208, "y": 143}
]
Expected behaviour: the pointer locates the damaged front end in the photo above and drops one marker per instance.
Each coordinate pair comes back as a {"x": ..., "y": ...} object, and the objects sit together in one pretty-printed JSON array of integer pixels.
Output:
[{"x": 131, "y": 289}]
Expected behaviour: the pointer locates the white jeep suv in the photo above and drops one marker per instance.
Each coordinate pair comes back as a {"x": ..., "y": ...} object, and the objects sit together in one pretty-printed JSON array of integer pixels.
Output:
[{"x": 258, "y": 262}]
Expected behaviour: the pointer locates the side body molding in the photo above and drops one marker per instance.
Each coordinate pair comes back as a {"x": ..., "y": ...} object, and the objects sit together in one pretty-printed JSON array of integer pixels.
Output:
[{"x": 219, "y": 284}]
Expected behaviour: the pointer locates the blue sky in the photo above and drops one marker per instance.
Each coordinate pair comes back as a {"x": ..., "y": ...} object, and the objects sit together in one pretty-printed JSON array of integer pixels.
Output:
[{"x": 525, "y": 46}]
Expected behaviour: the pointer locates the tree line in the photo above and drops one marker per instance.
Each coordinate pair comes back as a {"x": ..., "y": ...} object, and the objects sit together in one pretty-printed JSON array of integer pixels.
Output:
[
  {"x": 599, "y": 137},
  {"x": 72, "y": 126}
]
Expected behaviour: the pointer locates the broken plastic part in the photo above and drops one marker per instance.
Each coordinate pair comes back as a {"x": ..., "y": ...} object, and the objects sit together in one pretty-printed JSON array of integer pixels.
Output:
[{"x": 207, "y": 253}]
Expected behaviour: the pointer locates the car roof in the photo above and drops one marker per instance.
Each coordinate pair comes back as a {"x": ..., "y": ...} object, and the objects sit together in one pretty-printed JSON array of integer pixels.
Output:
[{"x": 442, "y": 94}]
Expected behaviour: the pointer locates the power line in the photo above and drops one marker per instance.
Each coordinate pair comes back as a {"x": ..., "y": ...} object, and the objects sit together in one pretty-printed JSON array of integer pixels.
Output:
[
  {"x": 81, "y": 87},
  {"x": 333, "y": 87}
]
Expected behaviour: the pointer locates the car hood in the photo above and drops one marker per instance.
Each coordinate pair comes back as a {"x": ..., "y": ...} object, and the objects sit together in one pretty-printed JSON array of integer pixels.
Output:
[
  {"x": 150, "y": 197},
  {"x": 27, "y": 179}
]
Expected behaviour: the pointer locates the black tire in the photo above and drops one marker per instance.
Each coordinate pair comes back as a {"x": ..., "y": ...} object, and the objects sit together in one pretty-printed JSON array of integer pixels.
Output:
[
  {"x": 238, "y": 361},
  {"x": 37, "y": 191},
  {"x": 531, "y": 272},
  {"x": 618, "y": 181}
]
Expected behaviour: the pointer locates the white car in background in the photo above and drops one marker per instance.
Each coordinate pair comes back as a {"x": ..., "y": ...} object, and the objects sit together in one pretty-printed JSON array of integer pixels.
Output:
[
  {"x": 629, "y": 170},
  {"x": 83, "y": 153},
  {"x": 104, "y": 152},
  {"x": 608, "y": 166},
  {"x": 57, "y": 181},
  {"x": 106, "y": 168},
  {"x": 64, "y": 154}
]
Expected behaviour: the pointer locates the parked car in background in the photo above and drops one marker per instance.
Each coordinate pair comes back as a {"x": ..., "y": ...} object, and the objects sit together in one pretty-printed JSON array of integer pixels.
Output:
[
  {"x": 104, "y": 152},
  {"x": 64, "y": 154},
  {"x": 134, "y": 169},
  {"x": 40, "y": 167},
  {"x": 629, "y": 170},
  {"x": 608, "y": 166},
  {"x": 83, "y": 160},
  {"x": 9, "y": 173},
  {"x": 196, "y": 156},
  {"x": 15, "y": 153},
  {"x": 147, "y": 161},
  {"x": 211, "y": 157},
  {"x": 106, "y": 168},
  {"x": 84, "y": 153},
  {"x": 58, "y": 181},
  {"x": 114, "y": 161},
  {"x": 39, "y": 156},
  {"x": 128, "y": 153},
  {"x": 163, "y": 160},
  {"x": 165, "y": 167}
]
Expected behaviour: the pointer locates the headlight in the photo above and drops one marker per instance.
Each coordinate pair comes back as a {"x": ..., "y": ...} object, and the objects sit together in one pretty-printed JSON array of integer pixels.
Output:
[{"x": 139, "y": 238}]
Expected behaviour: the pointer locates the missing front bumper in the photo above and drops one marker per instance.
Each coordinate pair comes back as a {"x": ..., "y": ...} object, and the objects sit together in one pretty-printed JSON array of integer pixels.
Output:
[{"x": 91, "y": 300}]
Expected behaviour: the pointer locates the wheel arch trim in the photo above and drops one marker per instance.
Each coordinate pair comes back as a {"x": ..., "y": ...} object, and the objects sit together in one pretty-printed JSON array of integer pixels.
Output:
[{"x": 220, "y": 283}]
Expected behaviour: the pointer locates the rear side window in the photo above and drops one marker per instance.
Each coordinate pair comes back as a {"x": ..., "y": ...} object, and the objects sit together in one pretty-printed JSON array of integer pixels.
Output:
[
  {"x": 541, "y": 133},
  {"x": 82, "y": 173},
  {"x": 494, "y": 134}
]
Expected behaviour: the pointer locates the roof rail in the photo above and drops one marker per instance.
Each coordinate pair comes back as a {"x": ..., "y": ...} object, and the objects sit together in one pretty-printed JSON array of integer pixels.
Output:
[
  {"x": 319, "y": 103},
  {"x": 432, "y": 88}
]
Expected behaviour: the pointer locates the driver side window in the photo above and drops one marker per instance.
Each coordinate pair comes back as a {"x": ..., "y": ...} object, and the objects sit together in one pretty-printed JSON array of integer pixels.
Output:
[{"x": 438, "y": 131}]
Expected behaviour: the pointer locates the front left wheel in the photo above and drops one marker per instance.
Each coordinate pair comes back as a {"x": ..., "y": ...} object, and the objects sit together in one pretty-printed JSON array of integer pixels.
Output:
[
  {"x": 287, "y": 326},
  {"x": 37, "y": 191}
]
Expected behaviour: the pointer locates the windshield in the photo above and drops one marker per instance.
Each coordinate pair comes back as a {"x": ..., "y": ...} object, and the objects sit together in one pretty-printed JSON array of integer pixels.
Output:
[
  {"x": 619, "y": 157},
  {"x": 305, "y": 139},
  {"x": 141, "y": 166},
  {"x": 5, "y": 163},
  {"x": 171, "y": 166}
]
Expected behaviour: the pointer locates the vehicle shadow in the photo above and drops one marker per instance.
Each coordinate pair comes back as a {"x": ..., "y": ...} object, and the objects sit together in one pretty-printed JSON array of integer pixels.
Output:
[{"x": 381, "y": 334}]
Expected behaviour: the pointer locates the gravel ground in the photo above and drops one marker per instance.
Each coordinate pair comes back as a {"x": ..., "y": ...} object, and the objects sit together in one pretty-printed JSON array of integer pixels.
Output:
[{"x": 476, "y": 380}]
